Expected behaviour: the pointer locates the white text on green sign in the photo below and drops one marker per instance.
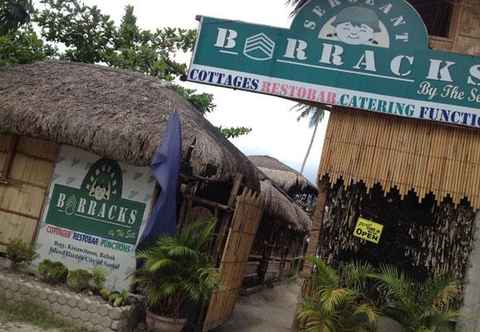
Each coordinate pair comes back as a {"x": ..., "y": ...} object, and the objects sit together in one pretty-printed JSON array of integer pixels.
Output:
[{"x": 358, "y": 54}]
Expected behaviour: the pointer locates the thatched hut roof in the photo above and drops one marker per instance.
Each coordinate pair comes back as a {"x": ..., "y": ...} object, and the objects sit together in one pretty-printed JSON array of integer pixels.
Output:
[
  {"x": 279, "y": 206},
  {"x": 286, "y": 177},
  {"x": 114, "y": 113}
]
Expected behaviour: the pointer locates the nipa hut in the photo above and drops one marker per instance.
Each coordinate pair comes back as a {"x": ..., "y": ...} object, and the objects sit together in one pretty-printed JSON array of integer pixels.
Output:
[
  {"x": 75, "y": 145},
  {"x": 295, "y": 184},
  {"x": 280, "y": 241}
]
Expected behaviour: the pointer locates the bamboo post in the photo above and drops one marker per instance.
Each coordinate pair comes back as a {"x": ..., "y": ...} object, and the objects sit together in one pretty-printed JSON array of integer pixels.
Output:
[
  {"x": 317, "y": 220},
  {"x": 316, "y": 224}
]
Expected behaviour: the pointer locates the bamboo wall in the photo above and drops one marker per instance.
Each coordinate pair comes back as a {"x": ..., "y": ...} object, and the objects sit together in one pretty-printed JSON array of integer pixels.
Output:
[
  {"x": 403, "y": 153},
  {"x": 30, "y": 165},
  {"x": 422, "y": 238}
]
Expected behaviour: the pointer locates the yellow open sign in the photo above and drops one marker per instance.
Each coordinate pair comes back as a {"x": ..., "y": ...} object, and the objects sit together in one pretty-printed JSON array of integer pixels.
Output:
[{"x": 368, "y": 230}]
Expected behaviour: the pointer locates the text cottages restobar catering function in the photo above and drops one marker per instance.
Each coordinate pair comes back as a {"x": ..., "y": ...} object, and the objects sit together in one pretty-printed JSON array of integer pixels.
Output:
[{"x": 370, "y": 55}]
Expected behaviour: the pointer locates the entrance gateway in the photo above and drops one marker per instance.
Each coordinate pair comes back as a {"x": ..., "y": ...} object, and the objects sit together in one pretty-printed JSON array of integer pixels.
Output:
[{"x": 402, "y": 148}]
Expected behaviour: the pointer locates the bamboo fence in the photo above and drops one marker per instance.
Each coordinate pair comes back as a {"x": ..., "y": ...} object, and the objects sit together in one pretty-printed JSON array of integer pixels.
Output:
[
  {"x": 405, "y": 154},
  {"x": 248, "y": 213}
]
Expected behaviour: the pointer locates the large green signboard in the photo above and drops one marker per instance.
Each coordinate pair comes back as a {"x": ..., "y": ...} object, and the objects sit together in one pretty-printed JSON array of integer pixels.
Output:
[
  {"x": 370, "y": 54},
  {"x": 95, "y": 212},
  {"x": 97, "y": 207}
]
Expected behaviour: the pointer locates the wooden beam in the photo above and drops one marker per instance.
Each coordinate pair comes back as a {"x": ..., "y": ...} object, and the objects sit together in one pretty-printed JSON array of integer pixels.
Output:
[
  {"x": 9, "y": 160},
  {"x": 235, "y": 190},
  {"x": 209, "y": 203}
]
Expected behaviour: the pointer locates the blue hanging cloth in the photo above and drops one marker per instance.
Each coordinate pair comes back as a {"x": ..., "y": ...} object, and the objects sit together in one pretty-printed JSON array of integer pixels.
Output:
[{"x": 166, "y": 170}]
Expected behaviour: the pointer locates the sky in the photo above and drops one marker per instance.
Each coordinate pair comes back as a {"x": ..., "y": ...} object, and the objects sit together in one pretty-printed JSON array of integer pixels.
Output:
[{"x": 276, "y": 131}]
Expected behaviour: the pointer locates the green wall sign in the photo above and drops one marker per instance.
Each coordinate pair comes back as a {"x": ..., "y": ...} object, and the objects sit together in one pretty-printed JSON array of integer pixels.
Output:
[
  {"x": 369, "y": 55},
  {"x": 95, "y": 212},
  {"x": 97, "y": 208}
]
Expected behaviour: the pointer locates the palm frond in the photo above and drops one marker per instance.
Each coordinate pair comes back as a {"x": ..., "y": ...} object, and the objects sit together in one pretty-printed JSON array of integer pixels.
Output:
[
  {"x": 439, "y": 292},
  {"x": 356, "y": 274},
  {"x": 440, "y": 320},
  {"x": 178, "y": 268},
  {"x": 331, "y": 299},
  {"x": 313, "y": 112},
  {"x": 298, "y": 4},
  {"x": 395, "y": 283},
  {"x": 323, "y": 275},
  {"x": 313, "y": 318},
  {"x": 317, "y": 116},
  {"x": 368, "y": 311}
]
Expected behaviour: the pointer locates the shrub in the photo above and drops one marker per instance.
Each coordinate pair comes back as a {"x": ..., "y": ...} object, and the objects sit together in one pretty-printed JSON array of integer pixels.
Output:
[
  {"x": 352, "y": 297},
  {"x": 53, "y": 273},
  {"x": 79, "y": 280},
  {"x": 105, "y": 294},
  {"x": 419, "y": 306},
  {"x": 20, "y": 253},
  {"x": 117, "y": 299},
  {"x": 99, "y": 276}
]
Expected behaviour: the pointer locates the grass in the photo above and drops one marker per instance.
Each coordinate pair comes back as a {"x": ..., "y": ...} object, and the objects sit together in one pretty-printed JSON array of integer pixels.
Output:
[{"x": 27, "y": 312}]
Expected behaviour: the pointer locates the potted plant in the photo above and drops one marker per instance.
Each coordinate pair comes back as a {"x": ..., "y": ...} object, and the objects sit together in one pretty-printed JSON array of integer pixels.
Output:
[{"x": 176, "y": 270}]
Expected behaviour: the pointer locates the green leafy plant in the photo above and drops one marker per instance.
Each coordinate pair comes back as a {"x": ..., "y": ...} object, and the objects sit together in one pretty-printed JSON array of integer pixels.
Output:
[
  {"x": 105, "y": 294},
  {"x": 177, "y": 269},
  {"x": 202, "y": 102},
  {"x": 419, "y": 307},
  {"x": 79, "y": 280},
  {"x": 99, "y": 276},
  {"x": 234, "y": 132},
  {"x": 353, "y": 297},
  {"x": 117, "y": 299},
  {"x": 20, "y": 253},
  {"x": 338, "y": 301},
  {"x": 14, "y": 14},
  {"x": 52, "y": 272}
]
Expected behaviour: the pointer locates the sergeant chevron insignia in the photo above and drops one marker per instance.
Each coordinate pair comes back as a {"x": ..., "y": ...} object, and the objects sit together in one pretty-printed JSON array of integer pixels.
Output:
[{"x": 259, "y": 47}]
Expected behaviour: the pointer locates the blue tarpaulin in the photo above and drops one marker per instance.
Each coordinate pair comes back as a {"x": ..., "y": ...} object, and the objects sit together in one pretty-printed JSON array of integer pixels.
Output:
[{"x": 166, "y": 170}]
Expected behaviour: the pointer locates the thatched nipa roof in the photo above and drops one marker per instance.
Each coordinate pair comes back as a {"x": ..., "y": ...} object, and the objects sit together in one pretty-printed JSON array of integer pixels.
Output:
[
  {"x": 286, "y": 177},
  {"x": 279, "y": 206},
  {"x": 114, "y": 113}
]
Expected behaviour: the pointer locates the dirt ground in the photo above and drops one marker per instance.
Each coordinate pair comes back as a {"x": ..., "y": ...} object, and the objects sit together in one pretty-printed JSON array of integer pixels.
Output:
[
  {"x": 271, "y": 310},
  {"x": 19, "y": 327}
]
